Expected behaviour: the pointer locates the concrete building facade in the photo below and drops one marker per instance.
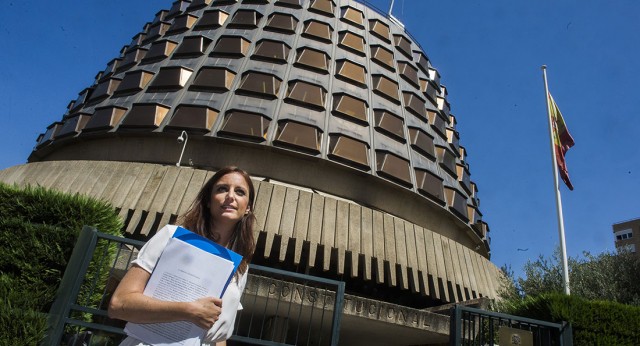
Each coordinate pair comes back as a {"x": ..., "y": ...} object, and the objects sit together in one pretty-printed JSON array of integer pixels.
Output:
[{"x": 339, "y": 116}]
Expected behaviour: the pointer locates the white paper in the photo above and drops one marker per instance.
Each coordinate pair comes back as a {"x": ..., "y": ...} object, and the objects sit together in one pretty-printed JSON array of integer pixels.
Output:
[{"x": 183, "y": 273}]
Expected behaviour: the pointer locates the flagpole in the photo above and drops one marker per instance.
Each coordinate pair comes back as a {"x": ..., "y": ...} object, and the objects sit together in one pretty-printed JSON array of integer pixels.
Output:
[{"x": 563, "y": 246}]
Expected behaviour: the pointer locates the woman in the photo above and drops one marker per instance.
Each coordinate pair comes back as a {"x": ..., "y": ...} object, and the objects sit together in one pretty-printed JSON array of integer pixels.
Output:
[{"x": 222, "y": 212}]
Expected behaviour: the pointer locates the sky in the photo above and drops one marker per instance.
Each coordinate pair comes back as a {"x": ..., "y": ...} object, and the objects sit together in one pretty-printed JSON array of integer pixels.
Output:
[{"x": 489, "y": 55}]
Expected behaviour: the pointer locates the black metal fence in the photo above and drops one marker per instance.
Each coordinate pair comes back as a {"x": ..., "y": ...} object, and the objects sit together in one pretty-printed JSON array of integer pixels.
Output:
[
  {"x": 279, "y": 307},
  {"x": 471, "y": 326}
]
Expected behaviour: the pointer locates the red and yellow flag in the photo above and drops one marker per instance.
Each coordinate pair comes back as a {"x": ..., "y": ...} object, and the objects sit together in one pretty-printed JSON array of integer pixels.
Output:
[{"x": 562, "y": 140}]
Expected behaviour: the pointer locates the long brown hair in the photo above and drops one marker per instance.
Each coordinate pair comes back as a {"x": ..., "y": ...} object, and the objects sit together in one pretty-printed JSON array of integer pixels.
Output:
[{"x": 198, "y": 218}]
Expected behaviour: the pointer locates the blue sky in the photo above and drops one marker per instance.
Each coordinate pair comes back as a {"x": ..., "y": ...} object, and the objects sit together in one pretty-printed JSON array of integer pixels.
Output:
[{"x": 489, "y": 55}]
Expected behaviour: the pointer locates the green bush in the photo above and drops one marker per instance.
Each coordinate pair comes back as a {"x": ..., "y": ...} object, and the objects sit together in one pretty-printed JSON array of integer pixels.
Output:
[
  {"x": 38, "y": 229},
  {"x": 593, "y": 322}
]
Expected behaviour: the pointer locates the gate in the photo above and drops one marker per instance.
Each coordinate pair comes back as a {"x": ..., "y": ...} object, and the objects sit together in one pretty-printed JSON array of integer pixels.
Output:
[
  {"x": 279, "y": 307},
  {"x": 471, "y": 326}
]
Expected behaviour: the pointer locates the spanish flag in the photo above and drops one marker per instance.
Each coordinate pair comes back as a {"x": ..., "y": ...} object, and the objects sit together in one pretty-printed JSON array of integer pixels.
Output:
[{"x": 562, "y": 140}]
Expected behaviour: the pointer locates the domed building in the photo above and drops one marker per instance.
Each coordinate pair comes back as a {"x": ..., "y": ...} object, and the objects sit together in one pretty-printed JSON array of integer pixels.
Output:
[{"x": 340, "y": 117}]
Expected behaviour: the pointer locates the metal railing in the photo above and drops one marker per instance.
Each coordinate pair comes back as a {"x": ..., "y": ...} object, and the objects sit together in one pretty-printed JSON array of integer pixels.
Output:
[
  {"x": 471, "y": 326},
  {"x": 279, "y": 307},
  {"x": 289, "y": 308}
]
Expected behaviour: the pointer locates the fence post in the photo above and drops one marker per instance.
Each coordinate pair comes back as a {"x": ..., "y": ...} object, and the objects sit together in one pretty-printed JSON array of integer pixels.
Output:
[
  {"x": 566, "y": 334},
  {"x": 454, "y": 326},
  {"x": 337, "y": 314},
  {"x": 70, "y": 284}
]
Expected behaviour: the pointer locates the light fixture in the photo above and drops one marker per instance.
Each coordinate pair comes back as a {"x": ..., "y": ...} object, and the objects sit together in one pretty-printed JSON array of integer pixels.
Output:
[{"x": 183, "y": 138}]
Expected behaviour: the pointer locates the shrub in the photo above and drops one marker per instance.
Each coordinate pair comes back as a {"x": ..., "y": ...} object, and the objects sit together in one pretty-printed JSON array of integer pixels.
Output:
[
  {"x": 593, "y": 322},
  {"x": 38, "y": 229}
]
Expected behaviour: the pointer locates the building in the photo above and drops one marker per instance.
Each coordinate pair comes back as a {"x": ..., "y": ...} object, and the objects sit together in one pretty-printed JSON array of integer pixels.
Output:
[
  {"x": 342, "y": 120},
  {"x": 623, "y": 233}
]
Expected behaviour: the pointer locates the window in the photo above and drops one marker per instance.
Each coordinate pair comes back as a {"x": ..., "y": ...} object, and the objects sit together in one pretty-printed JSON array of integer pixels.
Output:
[
  {"x": 422, "y": 61},
  {"x": 260, "y": 84},
  {"x": 312, "y": 59},
  {"x": 104, "y": 89},
  {"x": 223, "y": 2},
  {"x": 177, "y": 8},
  {"x": 211, "y": 20},
  {"x": 156, "y": 31},
  {"x": 72, "y": 126},
  {"x": 324, "y": 7},
  {"x": 288, "y": 3},
  {"x": 83, "y": 96},
  {"x": 389, "y": 124},
  {"x": 191, "y": 117},
  {"x": 171, "y": 78},
  {"x": 447, "y": 160},
  {"x": 159, "y": 50},
  {"x": 351, "y": 42},
  {"x": 192, "y": 46},
  {"x": 282, "y": 22},
  {"x": 379, "y": 29},
  {"x": 231, "y": 46},
  {"x": 246, "y": 125},
  {"x": 131, "y": 58},
  {"x": 198, "y": 4},
  {"x": 422, "y": 142},
  {"x": 245, "y": 19},
  {"x": 409, "y": 73},
  {"x": 382, "y": 56},
  {"x": 137, "y": 40},
  {"x": 386, "y": 88},
  {"x": 403, "y": 45},
  {"x": 145, "y": 115},
  {"x": 624, "y": 234},
  {"x": 457, "y": 202},
  {"x": 213, "y": 79},
  {"x": 437, "y": 123},
  {"x": 50, "y": 135},
  {"x": 134, "y": 82},
  {"x": 350, "y": 151},
  {"x": 393, "y": 167},
  {"x": 414, "y": 104},
  {"x": 350, "y": 108},
  {"x": 430, "y": 185},
  {"x": 351, "y": 72},
  {"x": 429, "y": 90},
  {"x": 105, "y": 118},
  {"x": 453, "y": 138},
  {"x": 298, "y": 136},
  {"x": 627, "y": 248},
  {"x": 352, "y": 16},
  {"x": 463, "y": 177},
  {"x": 306, "y": 94},
  {"x": 275, "y": 51},
  {"x": 182, "y": 23},
  {"x": 317, "y": 31},
  {"x": 112, "y": 66}
]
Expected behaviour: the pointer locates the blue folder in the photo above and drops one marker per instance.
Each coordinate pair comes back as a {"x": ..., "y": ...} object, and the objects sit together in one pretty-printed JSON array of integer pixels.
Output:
[{"x": 210, "y": 246}]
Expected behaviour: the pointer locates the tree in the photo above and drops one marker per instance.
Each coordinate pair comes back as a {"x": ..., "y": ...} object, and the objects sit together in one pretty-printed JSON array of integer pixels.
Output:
[{"x": 607, "y": 276}]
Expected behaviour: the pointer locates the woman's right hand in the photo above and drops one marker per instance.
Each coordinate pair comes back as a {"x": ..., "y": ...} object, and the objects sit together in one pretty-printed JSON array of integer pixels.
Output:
[
  {"x": 130, "y": 304},
  {"x": 206, "y": 311}
]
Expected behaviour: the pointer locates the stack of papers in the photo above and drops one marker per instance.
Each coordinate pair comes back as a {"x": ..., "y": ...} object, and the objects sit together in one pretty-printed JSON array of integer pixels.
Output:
[{"x": 190, "y": 267}]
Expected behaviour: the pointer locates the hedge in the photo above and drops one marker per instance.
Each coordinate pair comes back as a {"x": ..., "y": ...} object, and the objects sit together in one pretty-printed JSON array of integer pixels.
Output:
[
  {"x": 38, "y": 229},
  {"x": 593, "y": 322}
]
